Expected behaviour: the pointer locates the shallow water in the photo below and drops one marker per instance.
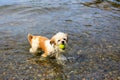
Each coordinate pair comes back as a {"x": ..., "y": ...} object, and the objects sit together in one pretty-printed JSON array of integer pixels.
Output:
[{"x": 94, "y": 39}]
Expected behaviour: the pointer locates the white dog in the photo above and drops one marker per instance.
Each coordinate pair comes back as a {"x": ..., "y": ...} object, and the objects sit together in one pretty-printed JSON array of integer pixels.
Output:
[{"x": 50, "y": 47}]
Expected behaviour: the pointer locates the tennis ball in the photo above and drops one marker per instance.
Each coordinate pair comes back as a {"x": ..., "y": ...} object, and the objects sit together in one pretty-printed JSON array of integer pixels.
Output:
[{"x": 61, "y": 46}]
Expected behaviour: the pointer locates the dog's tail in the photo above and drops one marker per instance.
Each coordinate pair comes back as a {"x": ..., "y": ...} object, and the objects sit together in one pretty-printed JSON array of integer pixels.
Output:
[{"x": 30, "y": 38}]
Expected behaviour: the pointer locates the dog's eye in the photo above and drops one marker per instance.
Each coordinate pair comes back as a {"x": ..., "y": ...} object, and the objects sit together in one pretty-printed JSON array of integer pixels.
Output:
[
  {"x": 58, "y": 40},
  {"x": 64, "y": 39}
]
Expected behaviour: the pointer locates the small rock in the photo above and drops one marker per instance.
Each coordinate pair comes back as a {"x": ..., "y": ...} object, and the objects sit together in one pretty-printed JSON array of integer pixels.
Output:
[{"x": 118, "y": 77}]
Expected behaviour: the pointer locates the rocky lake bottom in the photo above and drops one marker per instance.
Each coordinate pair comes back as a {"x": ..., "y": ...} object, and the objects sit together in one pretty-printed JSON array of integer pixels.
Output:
[{"x": 93, "y": 28}]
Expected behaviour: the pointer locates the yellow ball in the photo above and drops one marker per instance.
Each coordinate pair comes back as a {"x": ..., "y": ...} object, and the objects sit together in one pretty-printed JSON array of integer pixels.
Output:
[{"x": 61, "y": 46}]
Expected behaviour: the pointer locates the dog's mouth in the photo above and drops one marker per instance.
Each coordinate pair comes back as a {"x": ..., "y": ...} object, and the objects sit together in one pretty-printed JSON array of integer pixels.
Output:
[{"x": 62, "y": 46}]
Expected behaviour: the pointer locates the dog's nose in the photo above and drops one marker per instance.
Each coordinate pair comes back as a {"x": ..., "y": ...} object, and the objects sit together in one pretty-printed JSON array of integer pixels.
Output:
[{"x": 63, "y": 42}]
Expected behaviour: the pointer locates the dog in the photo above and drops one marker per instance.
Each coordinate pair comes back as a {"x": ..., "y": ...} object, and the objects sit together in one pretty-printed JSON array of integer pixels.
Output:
[{"x": 50, "y": 47}]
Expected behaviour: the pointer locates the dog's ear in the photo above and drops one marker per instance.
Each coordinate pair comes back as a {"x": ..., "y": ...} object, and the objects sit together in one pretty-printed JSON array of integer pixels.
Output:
[
  {"x": 52, "y": 41},
  {"x": 67, "y": 37},
  {"x": 30, "y": 38}
]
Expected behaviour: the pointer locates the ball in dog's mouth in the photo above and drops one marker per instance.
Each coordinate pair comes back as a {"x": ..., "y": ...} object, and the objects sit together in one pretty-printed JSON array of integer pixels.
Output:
[{"x": 62, "y": 46}]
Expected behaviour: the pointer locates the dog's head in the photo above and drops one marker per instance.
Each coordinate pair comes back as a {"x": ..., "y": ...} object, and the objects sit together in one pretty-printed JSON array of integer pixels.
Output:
[{"x": 58, "y": 39}]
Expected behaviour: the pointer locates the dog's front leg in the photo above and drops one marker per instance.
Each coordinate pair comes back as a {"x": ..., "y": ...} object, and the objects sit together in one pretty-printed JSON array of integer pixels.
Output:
[{"x": 61, "y": 57}]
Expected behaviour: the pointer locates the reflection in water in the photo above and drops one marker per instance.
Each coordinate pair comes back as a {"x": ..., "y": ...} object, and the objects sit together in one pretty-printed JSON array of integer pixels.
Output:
[{"x": 50, "y": 68}]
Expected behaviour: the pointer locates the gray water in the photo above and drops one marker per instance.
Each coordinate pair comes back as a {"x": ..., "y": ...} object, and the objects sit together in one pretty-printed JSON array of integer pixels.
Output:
[{"x": 93, "y": 27}]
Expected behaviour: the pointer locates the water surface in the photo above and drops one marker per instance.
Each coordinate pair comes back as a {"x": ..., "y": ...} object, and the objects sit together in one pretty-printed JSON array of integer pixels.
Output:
[{"x": 94, "y": 39}]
